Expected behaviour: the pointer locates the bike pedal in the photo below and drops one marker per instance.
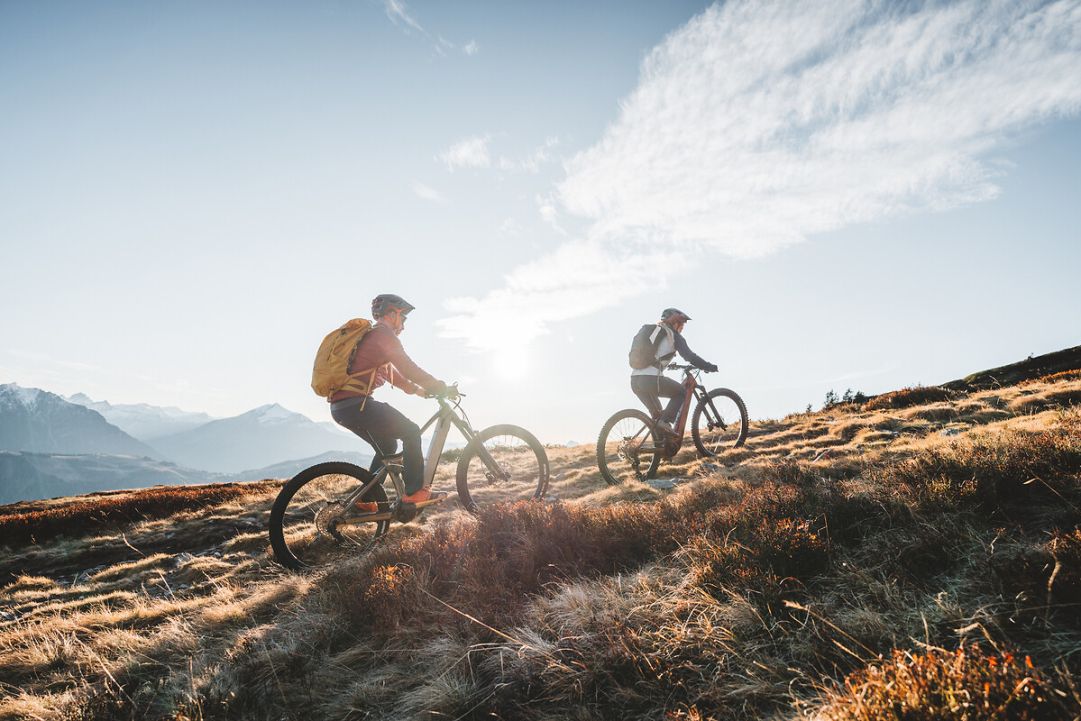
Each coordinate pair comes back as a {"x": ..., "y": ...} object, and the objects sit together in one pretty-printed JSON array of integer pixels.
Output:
[{"x": 423, "y": 504}]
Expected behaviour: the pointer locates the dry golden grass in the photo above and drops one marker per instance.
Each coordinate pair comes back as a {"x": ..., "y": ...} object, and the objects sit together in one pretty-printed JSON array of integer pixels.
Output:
[{"x": 817, "y": 571}]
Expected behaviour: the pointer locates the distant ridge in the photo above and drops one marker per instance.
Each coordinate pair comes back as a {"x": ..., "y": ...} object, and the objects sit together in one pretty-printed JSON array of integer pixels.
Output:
[
  {"x": 142, "y": 420},
  {"x": 28, "y": 476},
  {"x": 38, "y": 421},
  {"x": 1031, "y": 367},
  {"x": 259, "y": 438}
]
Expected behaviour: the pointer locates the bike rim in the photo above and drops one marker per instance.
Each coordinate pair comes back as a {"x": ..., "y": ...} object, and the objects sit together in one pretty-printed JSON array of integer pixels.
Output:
[
  {"x": 316, "y": 526},
  {"x": 515, "y": 473},
  {"x": 629, "y": 450},
  {"x": 720, "y": 424}
]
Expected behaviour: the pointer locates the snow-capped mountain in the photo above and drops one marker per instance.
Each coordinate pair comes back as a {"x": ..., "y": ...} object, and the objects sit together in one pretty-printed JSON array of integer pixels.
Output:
[
  {"x": 38, "y": 421},
  {"x": 144, "y": 421},
  {"x": 261, "y": 437}
]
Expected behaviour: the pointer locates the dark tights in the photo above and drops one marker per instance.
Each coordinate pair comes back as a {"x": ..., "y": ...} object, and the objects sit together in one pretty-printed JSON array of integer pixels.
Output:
[
  {"x": 650, "y": 389},
  {"x": 382, "y": 426}
]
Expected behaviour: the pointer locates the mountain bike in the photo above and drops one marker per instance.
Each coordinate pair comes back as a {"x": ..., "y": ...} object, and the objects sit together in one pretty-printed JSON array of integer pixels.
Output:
[
  {"x": 315, "y": 515},
  {"x": 632, "y": 444}
]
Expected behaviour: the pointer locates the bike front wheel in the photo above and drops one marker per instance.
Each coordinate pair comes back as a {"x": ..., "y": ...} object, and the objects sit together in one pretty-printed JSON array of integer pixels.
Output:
[
  {"x": 627, "y": 448},
  {"x": 502, "y": 463},
  {"x": 719, "y": 423},
  {"x": 310, "y": 521}
]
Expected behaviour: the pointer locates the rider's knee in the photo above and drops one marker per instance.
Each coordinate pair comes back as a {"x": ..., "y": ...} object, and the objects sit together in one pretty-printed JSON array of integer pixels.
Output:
[{"x": 410, "y": 430}]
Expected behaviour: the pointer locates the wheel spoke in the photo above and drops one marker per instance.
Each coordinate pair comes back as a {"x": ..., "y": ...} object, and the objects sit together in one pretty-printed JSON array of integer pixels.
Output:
[
  {"x": 719, "y": 423},
  {"x": 504, "y": 463},
  {"x": 626, "y": 448},
  {"x": 310, "y": 522}
]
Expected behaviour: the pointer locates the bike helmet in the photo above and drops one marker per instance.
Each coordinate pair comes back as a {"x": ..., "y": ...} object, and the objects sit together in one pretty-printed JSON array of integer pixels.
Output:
[
  {"x": 669, "y": 312},
  {"x": 384, "y": 303}
]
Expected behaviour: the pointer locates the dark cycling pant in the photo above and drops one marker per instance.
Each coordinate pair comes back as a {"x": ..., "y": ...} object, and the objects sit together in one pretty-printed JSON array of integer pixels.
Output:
[
  {"x": 650, "y": 389},
  {"x": 382, "y": 426}
]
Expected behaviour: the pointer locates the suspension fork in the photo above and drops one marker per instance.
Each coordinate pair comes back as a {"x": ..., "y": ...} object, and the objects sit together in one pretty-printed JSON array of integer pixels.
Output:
[{"x": 713, "y": 417}]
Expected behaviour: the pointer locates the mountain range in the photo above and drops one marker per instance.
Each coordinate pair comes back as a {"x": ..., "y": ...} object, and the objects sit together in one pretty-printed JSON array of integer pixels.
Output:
[
  {"x": 41, "y": 422},
  {"x": 51, "y": 446},
  {"x": 265, "y": 435},
  {"x": 141, "y": 420}
]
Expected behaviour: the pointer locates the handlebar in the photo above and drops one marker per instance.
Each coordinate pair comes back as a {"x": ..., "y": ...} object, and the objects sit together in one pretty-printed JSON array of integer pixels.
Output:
[
  {"x": 684, "y": 367},
  {"x": 451, "y": 393}
]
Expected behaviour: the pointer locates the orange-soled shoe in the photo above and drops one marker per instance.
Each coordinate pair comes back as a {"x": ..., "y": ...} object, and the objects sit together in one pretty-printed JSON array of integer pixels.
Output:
[
  {"x": 424, "y": 494},
  {"x": 366, "y": 506}
]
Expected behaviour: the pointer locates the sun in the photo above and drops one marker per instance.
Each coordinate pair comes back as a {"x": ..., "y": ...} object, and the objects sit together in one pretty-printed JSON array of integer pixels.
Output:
[{"x": 512, "y": 363}]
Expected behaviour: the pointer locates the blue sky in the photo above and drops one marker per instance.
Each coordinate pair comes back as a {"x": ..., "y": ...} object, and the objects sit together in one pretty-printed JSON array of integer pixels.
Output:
[{"x": 865, "y": 195}]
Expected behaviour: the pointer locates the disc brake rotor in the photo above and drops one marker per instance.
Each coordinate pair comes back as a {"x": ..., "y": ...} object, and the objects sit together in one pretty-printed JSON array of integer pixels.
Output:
[{"x": 328, "y": 517}]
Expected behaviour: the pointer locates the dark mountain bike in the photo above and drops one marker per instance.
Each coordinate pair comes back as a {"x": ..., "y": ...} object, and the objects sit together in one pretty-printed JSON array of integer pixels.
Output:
[
  {"x": 315, "y": 515},
  {"x": 632, "y": 444}
]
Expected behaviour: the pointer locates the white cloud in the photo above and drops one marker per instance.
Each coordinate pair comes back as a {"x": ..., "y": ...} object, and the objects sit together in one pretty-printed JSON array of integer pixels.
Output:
[
  {"x": 399, "y": 15},
  {"x": 531, "y": 163},
  {"x": 468, "y": 153},
  {"x": 425, "y": 192},
  {"x": 580, "y": 277},
  {"x": 471, "y": 48},
  {"x": 758, "y": 124},
  {"x": 549, "y": 212},
  {"x": 540, "y": 156},
  {"x": 510, "y": 227}
]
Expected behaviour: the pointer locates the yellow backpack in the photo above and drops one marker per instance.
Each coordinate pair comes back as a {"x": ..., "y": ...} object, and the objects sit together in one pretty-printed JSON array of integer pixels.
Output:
[{"x": 331, "y": 371}]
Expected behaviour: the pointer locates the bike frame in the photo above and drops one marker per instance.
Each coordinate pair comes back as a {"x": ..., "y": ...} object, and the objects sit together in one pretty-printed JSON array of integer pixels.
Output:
[
  {"x": 693, "y": 390},
  {"x": 444, "y": 419}
]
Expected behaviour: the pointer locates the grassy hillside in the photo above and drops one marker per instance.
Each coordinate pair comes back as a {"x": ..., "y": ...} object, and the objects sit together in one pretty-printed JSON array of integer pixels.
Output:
[{"x": 916, "y": 557}]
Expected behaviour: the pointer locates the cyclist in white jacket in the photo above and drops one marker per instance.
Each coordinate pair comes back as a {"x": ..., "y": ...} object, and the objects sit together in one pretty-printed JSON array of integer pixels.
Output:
[{"x": 649, "y": 383}]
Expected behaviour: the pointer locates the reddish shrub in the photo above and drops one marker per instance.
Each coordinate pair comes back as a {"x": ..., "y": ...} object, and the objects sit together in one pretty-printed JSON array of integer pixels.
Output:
[
  {"x": 88, "y": 514},
  {"x": 906, "y": 397},
  {"x": 998, "y": 468},
  {"x": 1061, "y": 376},
  {"x": 965, "y": 684}
]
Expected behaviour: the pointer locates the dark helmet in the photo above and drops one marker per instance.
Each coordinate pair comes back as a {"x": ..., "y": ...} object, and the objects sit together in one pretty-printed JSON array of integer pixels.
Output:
[
  {"x": 669, "y": 312},
  {"x": 386, "y": 302}
]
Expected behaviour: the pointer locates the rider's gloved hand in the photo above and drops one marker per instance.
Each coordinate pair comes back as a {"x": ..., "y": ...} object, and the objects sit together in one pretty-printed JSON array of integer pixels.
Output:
[
  {"x": 441, "y": 389},
  {"x": 710, "y": 368}
]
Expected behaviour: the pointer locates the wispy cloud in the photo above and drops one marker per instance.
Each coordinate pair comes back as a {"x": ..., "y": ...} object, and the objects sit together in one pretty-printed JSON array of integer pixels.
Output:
[
  {"x": 549, "y": 212},
  {"x": 428, "y": 193},
  {"x": 475, "y": 152},
  {"x": 399, "y": 15},
  {"x": 533, "y": 162},
  {"x": 757, "y": 125},
  {"x": 580, "y": 277},
  {"x": 467, "y": 153}
]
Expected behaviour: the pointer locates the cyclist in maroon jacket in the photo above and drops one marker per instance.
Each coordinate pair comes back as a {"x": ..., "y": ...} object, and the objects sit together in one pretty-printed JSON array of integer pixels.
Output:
[{"x": 380, "y": 358}]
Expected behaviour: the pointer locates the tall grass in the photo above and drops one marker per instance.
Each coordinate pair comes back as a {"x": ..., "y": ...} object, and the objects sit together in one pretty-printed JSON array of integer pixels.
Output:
[{"x": 934, "y": 577}]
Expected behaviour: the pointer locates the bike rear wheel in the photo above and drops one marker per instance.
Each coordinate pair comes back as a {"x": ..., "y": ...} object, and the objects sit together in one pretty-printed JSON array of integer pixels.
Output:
[
  {"x": 628, "y": 448},
  {"x": 719, "y": 422},
  {"x": 517, "y": 470},
  {"x": 309, "y": 521}
]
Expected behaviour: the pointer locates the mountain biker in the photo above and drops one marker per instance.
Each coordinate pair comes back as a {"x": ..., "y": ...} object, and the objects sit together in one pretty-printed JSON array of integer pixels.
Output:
[
  {"x": 650, "y": 384},
  {"x": 381, "y": 355}
]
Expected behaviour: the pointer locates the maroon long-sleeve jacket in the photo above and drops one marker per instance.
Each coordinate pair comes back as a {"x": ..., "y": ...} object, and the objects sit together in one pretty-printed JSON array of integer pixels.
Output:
[{"x": 380, "y": 350}]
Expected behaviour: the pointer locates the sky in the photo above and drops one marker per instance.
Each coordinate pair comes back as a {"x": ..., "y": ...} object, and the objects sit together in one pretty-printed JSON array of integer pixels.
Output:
[{"x": 865, "y": 195}]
